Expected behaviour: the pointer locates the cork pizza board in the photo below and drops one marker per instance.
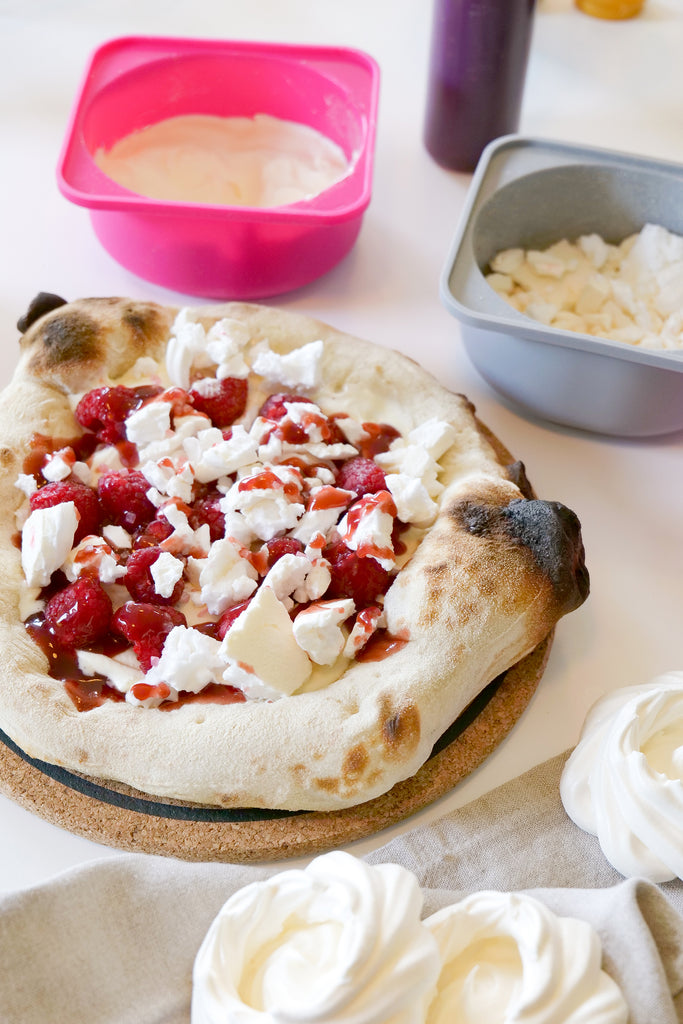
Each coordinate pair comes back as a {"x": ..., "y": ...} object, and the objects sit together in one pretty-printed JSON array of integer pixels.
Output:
[{"x": 114, "y": 815}]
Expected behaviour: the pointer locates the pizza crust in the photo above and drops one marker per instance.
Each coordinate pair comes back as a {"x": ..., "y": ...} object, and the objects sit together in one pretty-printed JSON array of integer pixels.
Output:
[
  {"x": 487, "y": 584},
  {"x": 118, "y": 816}
]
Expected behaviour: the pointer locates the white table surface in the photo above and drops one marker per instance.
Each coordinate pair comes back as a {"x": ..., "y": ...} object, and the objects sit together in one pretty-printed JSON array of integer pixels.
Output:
[{"x": 613, "y": 84}]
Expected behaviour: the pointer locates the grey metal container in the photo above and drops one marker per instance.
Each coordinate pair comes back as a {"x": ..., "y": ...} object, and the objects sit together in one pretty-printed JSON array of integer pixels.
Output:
[{"x": 530, "y": 192}]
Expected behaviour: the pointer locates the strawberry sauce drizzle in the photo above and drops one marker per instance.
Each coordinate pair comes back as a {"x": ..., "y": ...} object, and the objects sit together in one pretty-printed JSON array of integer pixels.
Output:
[
  {"x": 86, "y": 692},
  {"x": 381, "y": 646}
]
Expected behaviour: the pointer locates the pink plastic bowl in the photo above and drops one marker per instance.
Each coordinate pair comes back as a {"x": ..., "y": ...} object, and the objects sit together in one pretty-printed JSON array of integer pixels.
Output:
[{"x": 222, "y": 251}]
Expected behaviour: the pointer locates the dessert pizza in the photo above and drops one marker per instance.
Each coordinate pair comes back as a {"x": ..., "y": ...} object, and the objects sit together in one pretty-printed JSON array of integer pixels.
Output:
[{"x": 250, "y": 561}]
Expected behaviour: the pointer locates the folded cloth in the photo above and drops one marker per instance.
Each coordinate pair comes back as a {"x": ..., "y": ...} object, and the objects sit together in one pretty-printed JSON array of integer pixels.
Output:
[
  {"x": 518, "y": 836},
  {"x": 115, "y": 941}
]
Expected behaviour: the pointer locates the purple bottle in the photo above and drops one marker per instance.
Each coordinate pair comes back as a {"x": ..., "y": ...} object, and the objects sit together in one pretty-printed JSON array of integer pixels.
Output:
[{"x": 478, "y": 62}]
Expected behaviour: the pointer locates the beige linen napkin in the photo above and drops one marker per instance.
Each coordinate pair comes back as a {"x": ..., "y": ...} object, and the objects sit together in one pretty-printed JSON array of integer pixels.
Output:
[
  {"x": 114, "y": 942},
  {"x": 516, "y": 837}
]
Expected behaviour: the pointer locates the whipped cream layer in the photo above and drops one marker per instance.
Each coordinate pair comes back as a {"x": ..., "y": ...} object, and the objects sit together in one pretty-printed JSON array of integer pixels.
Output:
[
  {"x": 338, "y": 941},
  {"x": 259, "y": 161},
  {"x": 624, "y": 780},
  {"x": 507, "y": 958}
]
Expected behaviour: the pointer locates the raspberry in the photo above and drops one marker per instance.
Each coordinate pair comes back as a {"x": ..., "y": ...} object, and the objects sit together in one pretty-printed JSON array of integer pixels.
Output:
[
  {"x": 224, "y": 402},
  {"x": 83, "y": 497},
  {"x": 104, "y": 411},
  {"x": 207, "y": 510},
  {"x": 274, "y": 406},
  {"x": 180, "y": 402},
  {"x": 80, "y": 614},
  {"x": 362, "y": 579},
  {"x": 123, "y": 499},
  {"x": 152, "y": 535},
  {"x": 279, "y": 546},
  {"x": 146, "y": 626},
  {"x": 228, "y": 617},
  {"x": 362, "y": 476},
  {"x": 138, "y": 580}
]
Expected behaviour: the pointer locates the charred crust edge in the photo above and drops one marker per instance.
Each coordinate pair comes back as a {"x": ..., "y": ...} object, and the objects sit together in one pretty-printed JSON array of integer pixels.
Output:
[
  {"x": 549, "y": 531},
  {"x": 516, "y": 472},
  {"x": 70, "y": 337},
  {"x": 42, "y": 303}
]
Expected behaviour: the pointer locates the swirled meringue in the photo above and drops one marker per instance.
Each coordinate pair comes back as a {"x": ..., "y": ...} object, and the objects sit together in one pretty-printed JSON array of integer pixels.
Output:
[
  {"x": 338, "y": 941},
  {"x": 623, "y": 782},
  {"x": 508, "y": 958}
]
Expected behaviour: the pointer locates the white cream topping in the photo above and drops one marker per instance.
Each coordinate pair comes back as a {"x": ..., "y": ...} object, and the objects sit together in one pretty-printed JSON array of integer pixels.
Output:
[
  {"x": 296, "y": 369},
  {"x": 186, "y": 348},
  {"x": 261, "y": 651},
  {"x": 507, "y": 958},
  {"x": 267, "y": 500},
  {"x": 338, "y": 941},
  {"x": 191, "y": 346},
  {"x": 225, "y": 577},
  {"x": 46, "y": 541},
  {"x": 412, "y": 499},
  {"x": 366, "y": 623},
  {"x": 151, "y": 422},
  {"x": 214, "y": 456},
  {"x": 260, "y": 161},
  {"x": 318, "y": 629},
  {"x": 59, "y": 465},
  {"x": 117, "y": 672},
  {"x": 367, "y": 529},
  {"x": 298, "y": 576},
  {"x": 184, "y": 539},
  {"x": 166, "y": 572},
  {"x": 412, "y": 469},
  {"x": 225, "y": 342},
  {"x": 105, "y": 460},
  {"x": 93, "y": 553},
  {"x": 117, "y": 536},
  {"x": 624, "y": 780},
  {"x": 190, "y": 660},
  {"x": 172, "y": 445},
  {"x": 26, "y": 484}
]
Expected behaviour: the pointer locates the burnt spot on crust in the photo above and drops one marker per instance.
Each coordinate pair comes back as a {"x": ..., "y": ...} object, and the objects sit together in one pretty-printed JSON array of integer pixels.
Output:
[
  {"x": 69, "y": 338},
  {"x": 467, "y": 404},
  {"x": 399, "y": 728},
  {"x": 143, "y": 322},
  {"x": 552, "y": 532},
  {"x": 549, "y": 531},
  {"x": 476, "y": 519},
  {"x": 42, "y": 303},
  {"x": 396, "y": 735},
  {"x": 516, "y": 472},
  {"x": 135, "y": 321},
  {"x": 76, "y": 342}
]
